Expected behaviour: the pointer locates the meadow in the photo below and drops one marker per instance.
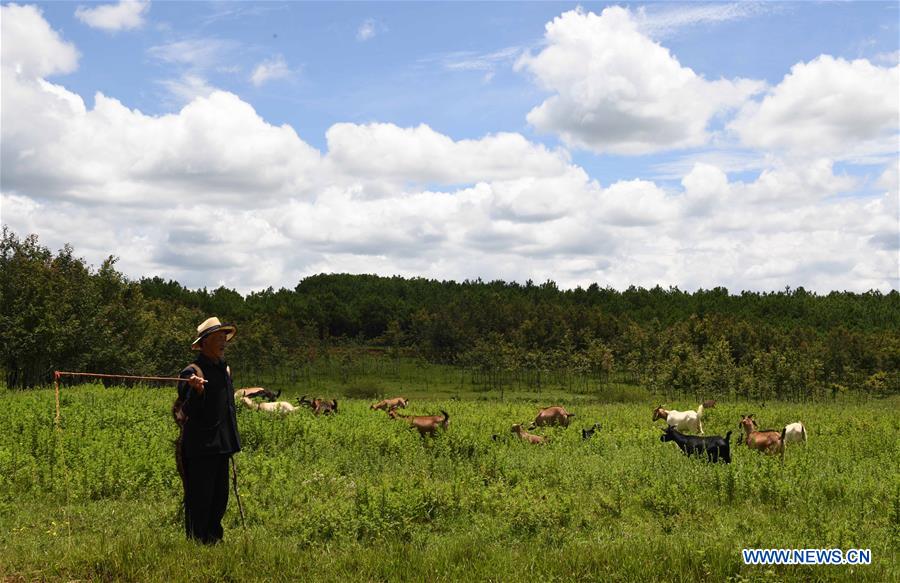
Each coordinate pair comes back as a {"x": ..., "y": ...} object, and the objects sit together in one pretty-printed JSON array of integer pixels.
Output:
[{"x": 359, "y": 497}]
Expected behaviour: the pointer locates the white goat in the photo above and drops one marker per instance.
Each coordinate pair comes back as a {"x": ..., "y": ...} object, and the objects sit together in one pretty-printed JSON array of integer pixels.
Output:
[
  {"x": 681, "y": 420},
  {"x": 795, "y": 433},
  {"x": 276, "y": 407}
]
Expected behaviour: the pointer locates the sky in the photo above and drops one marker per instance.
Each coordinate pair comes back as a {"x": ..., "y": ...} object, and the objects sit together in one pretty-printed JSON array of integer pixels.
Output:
[{"x": 750, "y": 145}]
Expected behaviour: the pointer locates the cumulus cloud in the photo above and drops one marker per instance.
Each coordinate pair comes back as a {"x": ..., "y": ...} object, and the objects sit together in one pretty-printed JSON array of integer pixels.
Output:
[
  {"x": 126, "y": 15},
  {"x": 827, "y": 107},
  {"x": 215, "y": 148},
  {"x": 382, "y": 151},
  {"x": 616, "y": 90},
  {"x": 270, "y": 69},
  {"x": 30, "y": 48},
  {"x": 215, "y": 180}
]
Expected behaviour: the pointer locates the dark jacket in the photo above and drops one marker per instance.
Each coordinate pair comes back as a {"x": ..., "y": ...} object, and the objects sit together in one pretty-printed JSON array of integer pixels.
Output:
[{"x": 211, "y": 426}]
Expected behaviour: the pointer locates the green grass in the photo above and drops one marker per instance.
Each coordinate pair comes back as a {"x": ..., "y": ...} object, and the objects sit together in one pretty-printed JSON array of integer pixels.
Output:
[{"x": 358, "y": 497}]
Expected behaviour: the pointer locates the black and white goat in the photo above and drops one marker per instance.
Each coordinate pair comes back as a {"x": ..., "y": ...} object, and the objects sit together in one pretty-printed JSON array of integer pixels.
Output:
[
  {"x": 254, "y": 392},
  {"x": 714, "y": 447},
  {"x": 589, "y": 433}
]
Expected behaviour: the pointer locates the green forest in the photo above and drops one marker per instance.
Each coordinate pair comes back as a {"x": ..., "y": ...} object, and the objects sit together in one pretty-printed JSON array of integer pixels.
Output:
[{"x": 57, "y": 312}]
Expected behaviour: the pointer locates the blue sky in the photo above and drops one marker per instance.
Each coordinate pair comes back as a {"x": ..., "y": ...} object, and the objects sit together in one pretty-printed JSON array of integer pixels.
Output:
[{"x": 659, "y": 128}]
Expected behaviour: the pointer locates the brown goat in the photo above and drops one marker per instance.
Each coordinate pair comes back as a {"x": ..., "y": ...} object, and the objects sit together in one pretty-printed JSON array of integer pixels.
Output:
[
  {"x": 388, "y": 404},
  {"x": 529, "y": 437},
  {"x": 552, "y": 416},
  {"x": 709, "y": 404},
  {"x": 319, "y": 406},
  {"x": 769, "y": 441},
  {"x": 425, "y": 424}
]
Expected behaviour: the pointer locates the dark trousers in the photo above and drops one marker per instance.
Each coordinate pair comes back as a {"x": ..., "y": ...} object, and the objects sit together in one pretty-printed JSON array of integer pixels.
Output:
[{"x": 206, "y": 497}]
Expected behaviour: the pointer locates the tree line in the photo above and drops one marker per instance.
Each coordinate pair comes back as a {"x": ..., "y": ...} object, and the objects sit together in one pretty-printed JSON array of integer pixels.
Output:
[{"x": 57, "y": 312}]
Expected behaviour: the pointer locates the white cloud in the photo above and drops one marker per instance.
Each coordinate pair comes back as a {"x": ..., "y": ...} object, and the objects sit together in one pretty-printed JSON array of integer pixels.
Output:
[
  {"x": 194, "y": 60},
  {"x": 188, "y": 87},
  {"x": 827, "y": 107},
  {"x": 662, "y": 20},
  {"x": 199, "y": 53},
  {"x": 275, "y": 68},
  {"x": 381, "y": 151},
  {"x": 213, "y": 193},
  {"x": 216, "y": 148},
  {"x": 889, "y": 59},
  {"x": 366, "y": 30},
  {"x": 30, "y": 48},
  {"x": 126, "y": 15},
  {"x": 616, "y": 90},
  {"x": 890, "y": 178},
  {"x": 470, "y": 61}
]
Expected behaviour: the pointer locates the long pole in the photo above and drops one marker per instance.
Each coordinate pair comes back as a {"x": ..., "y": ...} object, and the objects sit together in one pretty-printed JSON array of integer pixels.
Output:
[
  {"x": 236, "y": 495},
  {"x": 59, "y": 373},
  {"x": 56, "y": 386}
]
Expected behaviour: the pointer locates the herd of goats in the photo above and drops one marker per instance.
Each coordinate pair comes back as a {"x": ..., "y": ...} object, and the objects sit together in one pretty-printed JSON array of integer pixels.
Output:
[{"x": 716, "y": 448}]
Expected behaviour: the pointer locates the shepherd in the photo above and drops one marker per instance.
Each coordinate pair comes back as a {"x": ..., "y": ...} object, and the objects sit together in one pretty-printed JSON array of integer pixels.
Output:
[{"x": 209, "y": 436}]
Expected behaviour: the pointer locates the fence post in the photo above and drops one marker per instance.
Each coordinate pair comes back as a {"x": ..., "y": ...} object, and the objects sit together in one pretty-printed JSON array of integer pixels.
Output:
[{"x": 56, "y": 386}]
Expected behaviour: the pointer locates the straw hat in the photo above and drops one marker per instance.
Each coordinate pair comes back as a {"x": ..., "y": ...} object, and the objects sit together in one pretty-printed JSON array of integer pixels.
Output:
[{"x": 208, "y": 327}]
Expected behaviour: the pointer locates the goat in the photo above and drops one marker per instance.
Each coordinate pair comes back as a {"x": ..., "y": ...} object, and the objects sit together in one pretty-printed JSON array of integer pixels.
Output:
[
  {"x": 425, "y": 424},
  {"x": 387, "y": 404},
  {"x": 319, "y": 406},
  {"x": 589, "y": 433},
  {"x": 529, "y": 437},
  {"x": 768, "y": 441},
  {"x": 681, "y": 420},
  {"x": 715, "y": 447},
  {"x": 552, "y": 416},
  {"x": 276, "y": 407},
  {"x": 253, "y": 392},
  {"x": 709, "y": 404},
  {"x": 794, "y": 433}
]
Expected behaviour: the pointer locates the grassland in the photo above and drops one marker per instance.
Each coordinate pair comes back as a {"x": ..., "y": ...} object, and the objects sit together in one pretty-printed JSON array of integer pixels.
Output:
[{"x": 358, "y": 497}]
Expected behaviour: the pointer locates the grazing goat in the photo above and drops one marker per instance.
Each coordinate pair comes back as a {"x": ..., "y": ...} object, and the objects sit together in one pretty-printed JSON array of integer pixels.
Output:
[
  {"x": 681, "y": 420},
  {"x": 589, "y": 433},
  {"x": 715, "y": 448},
  {"x": 425, "y": 424},
  {"x": 794, "y": 433},
  {"x": 387, "y": 404},
  {"x": 552, "y": 416},
  {"x": 529, "y": 437},
  {"x": 319, "y": 406},
  {"x": 276, "y": 407},
  {"x": 254, "y": 392},
  {"x": 768, "y": 441}
]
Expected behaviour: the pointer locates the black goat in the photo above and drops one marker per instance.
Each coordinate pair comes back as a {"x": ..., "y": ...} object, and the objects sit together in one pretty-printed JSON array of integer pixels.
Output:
[
  {"x": 589, "y": 433},
  {"x": 716, "y": 448}
]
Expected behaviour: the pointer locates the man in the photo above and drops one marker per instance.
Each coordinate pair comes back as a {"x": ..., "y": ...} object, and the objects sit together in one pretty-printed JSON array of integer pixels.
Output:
[{"x": 209, "y": 432}]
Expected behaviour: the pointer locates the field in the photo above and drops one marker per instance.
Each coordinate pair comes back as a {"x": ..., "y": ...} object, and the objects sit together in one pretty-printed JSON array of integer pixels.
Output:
[{"x": 358, "y": 497}]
